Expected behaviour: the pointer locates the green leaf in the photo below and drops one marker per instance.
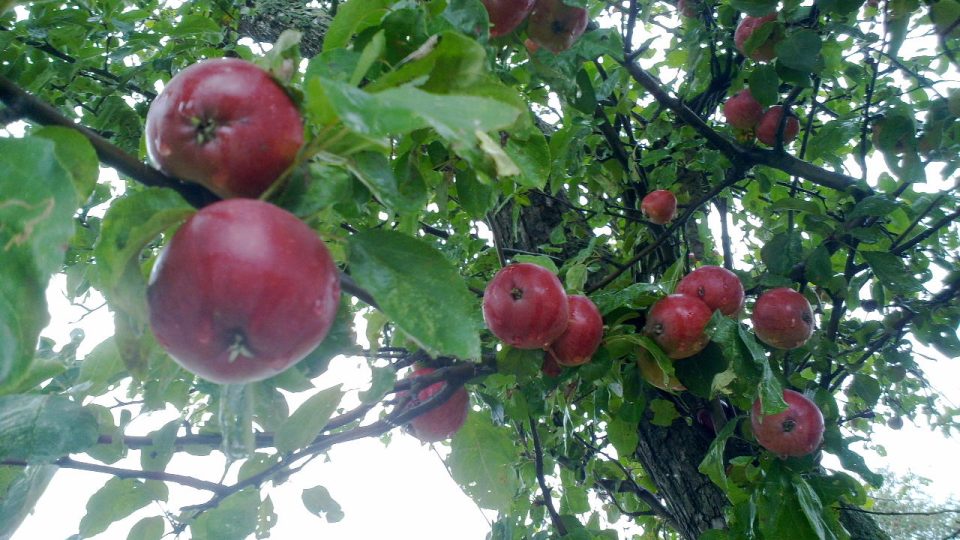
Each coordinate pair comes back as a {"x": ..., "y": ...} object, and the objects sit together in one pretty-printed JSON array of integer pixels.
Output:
[
  {"x": 44, "y": 428},
  {"x": 77, "y": 156},
  {"x": 892, "y": 272},
  {"x": 401, "y": 110},
  {"x": 20, "y": 489},
  {"x": 419, "y": 290},
  {"x": 756, "y": 8},
  {"x": 99, "y": 369},
  {"x": 382, "y": 381},
  {"x": 117, "y": 499},
  {"x": 800, "y": 50},
  {"x": 531, "y": 153},
  {"x": 866, "y": 388},
  {"x": 623, "y": 436},
  {"x": 374, "y": 171},
  {"x": 318, "y": 501},
  {"x": 235, "y": 517},
  {"x": 873, "y": 206},
  {"x": 37, "y": 202},
  {"x": 782, "y": 253},
  {"x": 698, "y": 374},
  {"x": 664, "y": 412},
  {"x": 352, "y": 17},
  {"x": 770, "y": 390},
  {"x": 371, "y": 53},
  {"x": 129, "y": 225},
  {"x": 475, "y": 197},
  {"x": 308, "y": 420},
  {"x": 812, "y": 508},
  {"x": 456, "y": 62},
  {"x": 522, "y": 363},
  {"x": 713, "y": 464},
  {"x": 818, "y": 268},
  {"x": 148, "y": 528},
  {"x": 156, "y": 456},
  {"x": 539, "y": 260},
  {"x": 765, "y": 84},
  {"x": 483, "y": 461}
]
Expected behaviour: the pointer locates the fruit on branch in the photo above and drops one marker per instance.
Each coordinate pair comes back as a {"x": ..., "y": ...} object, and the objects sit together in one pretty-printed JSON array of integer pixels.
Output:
[
  {"x": 770, "y": 124},
  {"x": 677, "y": 322},
  {"x": 795, "y": 432},
  {"x": 243, "y": 291},
  {"x": 550, "y": 367},
  {"x": 718, "y": 287},
  {"x": 525, "y": 306},
  {"x": 445, "y": 419},
  {"x": 583, "y": 335},
  {"x": 765, "y": 50},
  {"x": 651, "y": 372},
  {"x": 506, "y": 15},
  {"x": 556, "y": 25},
  {"x": 782, "y": 318},
  {"x": 225, "y": 124},
  {"x": 659, "y": 206},
  {"x": 743, "y": 111}
]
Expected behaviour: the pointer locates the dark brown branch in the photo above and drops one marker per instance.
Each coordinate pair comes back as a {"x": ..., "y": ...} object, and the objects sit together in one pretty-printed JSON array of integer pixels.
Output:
[
  {"x": 748, "y": 157},
  {"x": 542, "y": 481},
  {"x": 40, "y": 112},
  {"x": 189, "y": 481}
]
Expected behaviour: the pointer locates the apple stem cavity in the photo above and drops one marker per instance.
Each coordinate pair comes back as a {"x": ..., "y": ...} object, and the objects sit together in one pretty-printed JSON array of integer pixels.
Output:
[
  {"x": 516, "y": 293},
  {"x": 789, "y": 425}
]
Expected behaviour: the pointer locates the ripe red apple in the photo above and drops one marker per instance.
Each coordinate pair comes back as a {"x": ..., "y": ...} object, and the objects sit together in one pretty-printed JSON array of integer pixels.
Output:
[
  {"x": 243, "y": 291},
  {"x": 766, "y": 51},
  {"x": 651, "y": 372},
  {"x": 677, "y": 322},
  {"x": 718, "y": 287},
  {"x": 525, "y": 306},
  {"x": 659, "y": 206},
  {"x": 225, "y": 124},
  {"x": 743, "y": 111},
  {"x": 770, "y": 123},
  {"x": 584, "y": 332},
  {"x": 556, "y": 25},
  {"x": 506, "y": 15},
  {"x": 795, "y": 432},
  {"x": 445, "y": 419},
  {"x": 782, "y": 318}
]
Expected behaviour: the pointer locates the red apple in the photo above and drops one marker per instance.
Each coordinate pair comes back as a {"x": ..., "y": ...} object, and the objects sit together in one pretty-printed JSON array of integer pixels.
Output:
[
  {"x": 651, "y": 372},
  {"x": 718, "y": 287},
  {"x": 506, "y": 15},
  {"x": 445, "y": 419},
  {"x": 225, "y": 124},
  {"x": 765, "y": 51},
  {"x": 556, "y": 25},
  {"x": 584, "y": 332},
  {"x": 782, "y": 318},
  {"x": 525, "y": 306},
  {"x": 659, "y": 206},
  {"x": 550, "y": 367},
  {"x": 770, "y": 123},
  {"x": 677, "y": 322},
  {"x": 243, "y": 291},
  {"x": 795, "y": 432},
  {"x": 743, "y": 111}
]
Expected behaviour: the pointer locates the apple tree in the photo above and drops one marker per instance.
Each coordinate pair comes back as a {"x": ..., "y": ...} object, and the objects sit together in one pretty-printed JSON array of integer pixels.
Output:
[{"x": 807, "y": 150}]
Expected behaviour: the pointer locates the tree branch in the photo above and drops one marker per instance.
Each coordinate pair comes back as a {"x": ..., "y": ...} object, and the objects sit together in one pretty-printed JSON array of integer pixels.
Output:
[{"x": 542, "y": 481}]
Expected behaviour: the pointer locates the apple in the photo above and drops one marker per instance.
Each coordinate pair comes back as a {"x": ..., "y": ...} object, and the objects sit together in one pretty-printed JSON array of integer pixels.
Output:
[
  {"x": 748, "y": 25},
  {"x": 525, "y": 306},
  {"x": 442, "y": 421},
  {"x": 550, "y": 367},
  {"x": 651, "y": 372},
  {"x": 782, "y": 318},
  {"x": 677, "y": 322},
  {"x": 795, "y": 432},
  {"x": 506, "y": 15},
  {"x": 743, "y": 111},
  {"x": 770, "y": 123},
  {"x": 556, "y": 25},
  {"x": 243, "y": 291},
  {"x": 660, "y": 206},
  {"x": 718, "y": 287},
  {"x": 225, "y": 124},
  {"x": 583, "y": 335}
]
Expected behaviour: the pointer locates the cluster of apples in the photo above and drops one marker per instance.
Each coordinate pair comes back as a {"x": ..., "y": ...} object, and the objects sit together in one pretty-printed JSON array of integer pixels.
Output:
[
  {"x": 746, "y": 115},
  {"x": 244, "y": 289},
  {"x": 551, "y": 23},
  {"x": 526, "y": 307}
]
